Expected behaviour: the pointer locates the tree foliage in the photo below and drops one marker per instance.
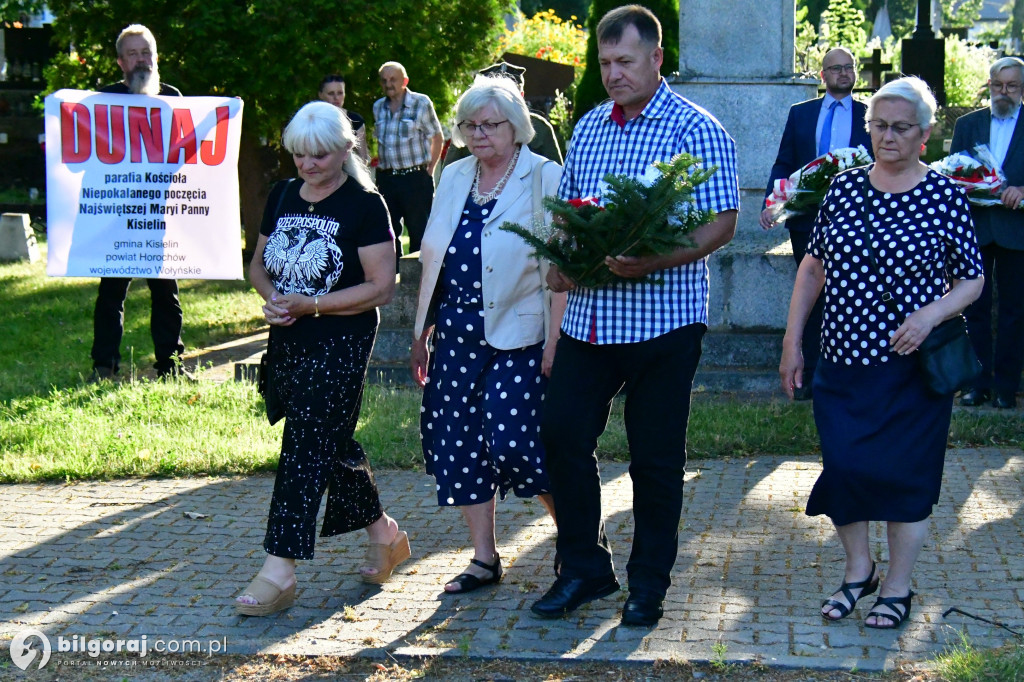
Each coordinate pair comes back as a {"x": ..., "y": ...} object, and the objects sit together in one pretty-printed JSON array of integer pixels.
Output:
[
  {"x": 273, "y": 53},
  {"x": 1016, "y": 27},
  {"x": 563, "y": 8},
  {"x": 14, "y": 10},
  {"x": 590, "y": 90},
  {"x": 843, "y": 24},
  {"x": 902, "y": 13}
]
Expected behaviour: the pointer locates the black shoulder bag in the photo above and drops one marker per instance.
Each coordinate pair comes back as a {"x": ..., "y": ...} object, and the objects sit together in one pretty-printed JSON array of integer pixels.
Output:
[
  {"x": 265, "y": 384},
  {"x": 946, "y": 356}
]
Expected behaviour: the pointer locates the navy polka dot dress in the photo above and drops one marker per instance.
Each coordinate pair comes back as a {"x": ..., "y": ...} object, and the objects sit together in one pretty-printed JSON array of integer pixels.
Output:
[
  {"x": 883, "y": 433},
  {"x": 480, "y": 420}
]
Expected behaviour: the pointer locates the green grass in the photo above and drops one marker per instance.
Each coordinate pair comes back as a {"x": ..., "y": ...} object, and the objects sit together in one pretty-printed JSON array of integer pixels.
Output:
[
  {"x": 963, "y": 662},
  {"x": 47, "y": 324},
  {"x": 55, "y": 427}
]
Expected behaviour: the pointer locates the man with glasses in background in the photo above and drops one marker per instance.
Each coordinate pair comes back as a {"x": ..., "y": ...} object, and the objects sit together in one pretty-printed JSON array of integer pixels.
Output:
[
  {"x": 813, "y": 128},
  {"x": 1000, "y": 231},
  {"x": 409, "y": 144}
]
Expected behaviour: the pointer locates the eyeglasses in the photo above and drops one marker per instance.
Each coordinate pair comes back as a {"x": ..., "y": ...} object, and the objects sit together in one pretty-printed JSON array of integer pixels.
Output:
[
  {"x": 899, "y": 128},
  {"x": 488, "y": 128},
  {"x": 837, "y": 69},
  {"x": 1010, "y": 88}
]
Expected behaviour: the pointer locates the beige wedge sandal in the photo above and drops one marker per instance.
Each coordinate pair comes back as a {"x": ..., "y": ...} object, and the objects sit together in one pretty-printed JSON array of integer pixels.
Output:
[{"x": 385, "y": 557}]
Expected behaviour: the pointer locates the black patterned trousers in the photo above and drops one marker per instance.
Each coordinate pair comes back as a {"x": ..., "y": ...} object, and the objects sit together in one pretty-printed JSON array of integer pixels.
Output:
[{"x": 321, "y": 383}]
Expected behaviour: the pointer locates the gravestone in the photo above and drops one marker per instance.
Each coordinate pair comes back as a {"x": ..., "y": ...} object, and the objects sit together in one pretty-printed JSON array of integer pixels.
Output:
[
  {"x": 17, "y": 240},
  {"x": 924, "y": 54},
  {"x": 740, "y": 67}
]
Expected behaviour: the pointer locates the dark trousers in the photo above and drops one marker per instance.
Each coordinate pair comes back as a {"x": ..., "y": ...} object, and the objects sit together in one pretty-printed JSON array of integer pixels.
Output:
[
  {"x": 810, "y": 344},
  {"x": 409, "y": 198},
  {"x": 165, "y": 321},
  {"x": 657, "y": 376},
  {"x": 321, "y": 384},
  {"x": 1004, "y": 269}
]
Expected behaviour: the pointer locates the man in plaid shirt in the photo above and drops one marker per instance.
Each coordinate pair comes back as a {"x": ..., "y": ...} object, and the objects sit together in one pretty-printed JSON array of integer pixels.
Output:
[
  {"x": 642, "y": 337},
  {"x": 409, "y": 144}
]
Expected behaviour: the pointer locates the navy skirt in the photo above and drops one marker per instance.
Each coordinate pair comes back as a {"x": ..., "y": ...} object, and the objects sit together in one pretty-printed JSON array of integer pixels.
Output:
[{"x": 883, "y": 442}]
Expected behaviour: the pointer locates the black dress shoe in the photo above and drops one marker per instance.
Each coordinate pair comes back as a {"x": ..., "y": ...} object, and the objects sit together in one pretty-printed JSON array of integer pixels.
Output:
[
  {"x": 568, "y": 594},
  {"x": 1004, "y": 401},
  {"x": 974, "y": 397},
  {"x": 642, "y": 609}
]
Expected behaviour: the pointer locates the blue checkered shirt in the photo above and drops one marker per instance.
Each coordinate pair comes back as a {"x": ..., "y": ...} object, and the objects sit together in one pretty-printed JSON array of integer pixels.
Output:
[
  {"x": 668, "y": 125},
  {"x": 403, "y": 138}
]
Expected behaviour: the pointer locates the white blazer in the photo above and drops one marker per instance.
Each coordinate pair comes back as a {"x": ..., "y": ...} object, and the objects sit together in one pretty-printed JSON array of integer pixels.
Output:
[{"x": 517, "y": 308}]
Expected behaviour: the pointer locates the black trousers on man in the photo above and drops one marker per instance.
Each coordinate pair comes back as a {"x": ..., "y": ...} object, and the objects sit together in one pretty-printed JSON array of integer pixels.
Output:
[
  {"x": 409, "y": 196},
  {"x": 657, "y": 376},
  {"x": 810, "y": 343},
  {"x": 1004, "y": 269},
  {"x": 165, "y": 322}
]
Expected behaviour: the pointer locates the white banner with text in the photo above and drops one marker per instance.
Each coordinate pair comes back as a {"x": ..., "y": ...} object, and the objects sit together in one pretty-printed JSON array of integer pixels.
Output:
[{"x": 142, "y": 186}]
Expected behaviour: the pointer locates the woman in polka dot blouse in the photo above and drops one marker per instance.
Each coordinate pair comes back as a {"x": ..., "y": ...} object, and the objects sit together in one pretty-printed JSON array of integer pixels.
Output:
[
  {"x": 492, "y": 322},
  {"x": 883, "y": 433}
]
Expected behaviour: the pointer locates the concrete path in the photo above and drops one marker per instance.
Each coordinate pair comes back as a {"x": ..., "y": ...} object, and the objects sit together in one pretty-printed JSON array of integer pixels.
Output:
[{"x": 125, "y": 559}]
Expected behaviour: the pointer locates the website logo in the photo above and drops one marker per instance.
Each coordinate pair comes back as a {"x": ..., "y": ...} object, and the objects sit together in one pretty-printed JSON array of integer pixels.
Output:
[{"x": 24, "y": 648}]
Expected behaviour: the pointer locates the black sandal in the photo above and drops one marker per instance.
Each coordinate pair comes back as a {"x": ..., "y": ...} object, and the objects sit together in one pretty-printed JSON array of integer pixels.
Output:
[
  {"x": 468, "y": 582},
  {"x": 866, "y": 587},
  {"x": 892, "y": 613}
]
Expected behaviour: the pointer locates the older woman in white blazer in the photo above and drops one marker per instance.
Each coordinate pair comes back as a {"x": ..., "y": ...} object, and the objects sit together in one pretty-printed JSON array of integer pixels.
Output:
[{"x": 492, "y": 322}]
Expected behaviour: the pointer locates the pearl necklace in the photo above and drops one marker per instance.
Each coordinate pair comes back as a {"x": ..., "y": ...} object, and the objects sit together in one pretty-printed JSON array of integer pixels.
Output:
[{"x": 480, "y": 199}]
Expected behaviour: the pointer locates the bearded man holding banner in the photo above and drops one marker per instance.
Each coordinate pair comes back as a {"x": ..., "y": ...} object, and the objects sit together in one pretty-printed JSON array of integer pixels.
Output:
[{"x": 136, "y": 55}]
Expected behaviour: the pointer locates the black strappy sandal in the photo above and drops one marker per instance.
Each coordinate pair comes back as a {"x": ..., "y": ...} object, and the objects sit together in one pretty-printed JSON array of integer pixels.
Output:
[
  {"x": 866, "y": 587},
  {"x": 892, "y": 613},
  {"x": 468, "y": 582}
]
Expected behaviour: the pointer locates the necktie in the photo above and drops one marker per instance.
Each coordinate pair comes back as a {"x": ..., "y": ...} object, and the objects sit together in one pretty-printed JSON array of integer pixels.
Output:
[{"x": 826, "y": 128}]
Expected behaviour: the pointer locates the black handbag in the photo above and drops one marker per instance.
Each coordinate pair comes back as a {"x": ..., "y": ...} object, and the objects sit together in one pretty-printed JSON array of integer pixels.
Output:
[
  {"x": 946, "y": 356},
  {"x": 265, "y": 383},
  {"x": 267, "y": 388}
]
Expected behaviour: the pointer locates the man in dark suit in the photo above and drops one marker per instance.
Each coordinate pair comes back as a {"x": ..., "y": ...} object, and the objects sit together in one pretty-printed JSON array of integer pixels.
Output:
[
  {"x": 1000, "y": 231},
  {"x": 813, "y": 128}
]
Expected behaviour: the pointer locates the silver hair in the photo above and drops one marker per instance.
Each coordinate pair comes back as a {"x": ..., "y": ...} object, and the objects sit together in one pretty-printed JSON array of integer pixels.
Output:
[
  {"x": 136, "y": 30},
  {"x": 910, "y": 89},
  {"x": 322, "y": 128},
  {"x": 1006, "y": 63},
  {"x": 504, "y": 94},
  {"x": 393, "y": 65}
]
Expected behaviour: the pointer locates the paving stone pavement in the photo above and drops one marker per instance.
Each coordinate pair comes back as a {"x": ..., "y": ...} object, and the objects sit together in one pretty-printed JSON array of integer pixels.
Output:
[{"x": 124, "y": 559}]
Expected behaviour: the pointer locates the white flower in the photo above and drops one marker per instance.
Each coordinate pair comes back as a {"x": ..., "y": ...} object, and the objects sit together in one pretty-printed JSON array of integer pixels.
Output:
[{"x": 851, "y": 157}]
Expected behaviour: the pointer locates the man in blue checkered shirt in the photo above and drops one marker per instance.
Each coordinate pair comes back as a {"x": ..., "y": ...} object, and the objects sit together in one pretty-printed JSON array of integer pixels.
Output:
[{"x": 642, "y": 337}]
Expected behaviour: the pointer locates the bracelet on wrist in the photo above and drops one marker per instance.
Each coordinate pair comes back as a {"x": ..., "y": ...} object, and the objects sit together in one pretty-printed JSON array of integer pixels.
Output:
[{"x": 316, "y": 306}]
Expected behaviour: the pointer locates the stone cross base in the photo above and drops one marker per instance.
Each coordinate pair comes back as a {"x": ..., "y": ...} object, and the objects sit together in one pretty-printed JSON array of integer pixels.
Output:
[{"x": 17, "y": 240}]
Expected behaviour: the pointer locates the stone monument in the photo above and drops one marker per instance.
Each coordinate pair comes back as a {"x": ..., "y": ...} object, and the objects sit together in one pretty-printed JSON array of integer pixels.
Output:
[
  {"x": 737, "y": 60},
  {"x": 17, "y": 240}
]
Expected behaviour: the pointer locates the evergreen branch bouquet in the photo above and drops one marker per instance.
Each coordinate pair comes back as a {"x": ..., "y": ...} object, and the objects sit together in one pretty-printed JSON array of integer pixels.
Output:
[
  {"x": 650, "y": 215},
  {"x": 980, "y": 175},
  {"x": 803, "y": 191}
]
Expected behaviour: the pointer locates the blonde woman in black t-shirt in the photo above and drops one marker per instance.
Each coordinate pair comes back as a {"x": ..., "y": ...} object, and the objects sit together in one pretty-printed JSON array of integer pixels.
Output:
[{"x": 323, "y": 263}]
